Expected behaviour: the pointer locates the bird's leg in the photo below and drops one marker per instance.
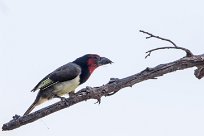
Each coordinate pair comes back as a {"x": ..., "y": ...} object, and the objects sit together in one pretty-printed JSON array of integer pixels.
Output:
[
  {"x": 71, "y": 93},
  {"x": 62, "y": 98}
]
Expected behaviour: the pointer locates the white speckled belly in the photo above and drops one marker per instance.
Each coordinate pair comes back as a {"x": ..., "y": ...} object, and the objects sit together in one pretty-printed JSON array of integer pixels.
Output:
[{"x": 66, "y": 87}]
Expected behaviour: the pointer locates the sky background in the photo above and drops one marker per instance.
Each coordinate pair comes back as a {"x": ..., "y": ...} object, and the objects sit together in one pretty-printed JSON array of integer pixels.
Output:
[{"x": 38, "y": 36}]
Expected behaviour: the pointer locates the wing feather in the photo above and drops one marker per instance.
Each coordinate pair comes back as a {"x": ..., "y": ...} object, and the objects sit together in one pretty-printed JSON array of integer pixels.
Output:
[{"x": 64, "y": 73}]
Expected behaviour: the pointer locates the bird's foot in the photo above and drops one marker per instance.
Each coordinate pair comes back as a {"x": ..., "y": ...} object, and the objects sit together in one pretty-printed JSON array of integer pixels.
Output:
[
  {"x": 71, "y": 94},
  {"x": 62, "y": 98}
]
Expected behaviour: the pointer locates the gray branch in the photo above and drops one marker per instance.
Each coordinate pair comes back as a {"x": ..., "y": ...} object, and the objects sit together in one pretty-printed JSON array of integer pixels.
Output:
[{"x": 111, "y": 88}]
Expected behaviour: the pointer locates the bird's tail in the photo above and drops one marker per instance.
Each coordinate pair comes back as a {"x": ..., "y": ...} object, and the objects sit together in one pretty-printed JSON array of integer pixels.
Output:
[
  {"x": 37, "y": 102},
  {"x": 30, "y": 108}
]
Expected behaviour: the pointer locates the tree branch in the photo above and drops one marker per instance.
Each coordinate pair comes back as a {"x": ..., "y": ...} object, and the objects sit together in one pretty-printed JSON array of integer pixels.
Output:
[
  {"x": 188, "y": 52},
  {"x": 158, "y": 37},
  {"x": 112, "y": 87}
]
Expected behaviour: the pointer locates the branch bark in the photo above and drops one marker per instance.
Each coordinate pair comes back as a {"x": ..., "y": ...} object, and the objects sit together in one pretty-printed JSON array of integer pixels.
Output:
[{"x": 115, "y": 85}]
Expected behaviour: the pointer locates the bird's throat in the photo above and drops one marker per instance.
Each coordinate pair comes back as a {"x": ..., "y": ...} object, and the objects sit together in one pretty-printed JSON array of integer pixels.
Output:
[{"x": 91, "y": 69}]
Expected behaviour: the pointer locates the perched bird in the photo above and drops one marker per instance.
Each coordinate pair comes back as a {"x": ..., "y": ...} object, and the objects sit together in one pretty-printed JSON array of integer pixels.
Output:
[{"x": 66, "y": 78}]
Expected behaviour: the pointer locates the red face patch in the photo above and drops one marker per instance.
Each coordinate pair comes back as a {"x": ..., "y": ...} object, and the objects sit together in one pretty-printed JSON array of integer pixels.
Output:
[{"x": 92, "y": 64}]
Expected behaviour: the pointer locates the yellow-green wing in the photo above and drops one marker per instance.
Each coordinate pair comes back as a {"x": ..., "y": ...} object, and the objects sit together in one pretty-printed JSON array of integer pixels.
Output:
[{"x": 64, "y": 73}]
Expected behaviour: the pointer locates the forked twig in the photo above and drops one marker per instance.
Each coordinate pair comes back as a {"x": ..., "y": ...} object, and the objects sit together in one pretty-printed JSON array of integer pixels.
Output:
[{"x": 188, "y": 52}]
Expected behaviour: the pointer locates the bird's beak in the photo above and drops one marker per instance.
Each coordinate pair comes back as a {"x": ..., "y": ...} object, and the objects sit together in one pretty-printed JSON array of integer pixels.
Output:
[{"x": 104, "y": 61}]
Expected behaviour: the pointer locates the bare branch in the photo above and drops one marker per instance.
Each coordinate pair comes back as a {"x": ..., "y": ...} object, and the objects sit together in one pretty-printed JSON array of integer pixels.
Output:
[
  {"x": 158, "y": 37},
  {"x": 115, "y": 85},
  {"x": 108, "y": 89},
  {"x": 188, "y": 52}
]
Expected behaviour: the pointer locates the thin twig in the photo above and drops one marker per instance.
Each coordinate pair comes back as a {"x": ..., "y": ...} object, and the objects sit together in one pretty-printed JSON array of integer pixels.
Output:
[
  {"x": 188, "y": 52},
  {"x": 158, "y": 37}
]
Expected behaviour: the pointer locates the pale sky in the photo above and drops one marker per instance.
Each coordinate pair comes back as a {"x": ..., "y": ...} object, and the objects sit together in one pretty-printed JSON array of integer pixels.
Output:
[{"x": 38, "y": 36}]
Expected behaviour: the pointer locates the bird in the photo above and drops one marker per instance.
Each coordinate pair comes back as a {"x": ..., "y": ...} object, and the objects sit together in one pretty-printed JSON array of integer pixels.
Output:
[{"x": 65, "y": 79}]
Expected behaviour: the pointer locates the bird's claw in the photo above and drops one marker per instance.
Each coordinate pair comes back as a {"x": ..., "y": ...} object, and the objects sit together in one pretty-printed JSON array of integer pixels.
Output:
[
  {"x": 62, "y": 99},
  {"x": 71, "y": 94},
  {"x": 65, "y": 100}
]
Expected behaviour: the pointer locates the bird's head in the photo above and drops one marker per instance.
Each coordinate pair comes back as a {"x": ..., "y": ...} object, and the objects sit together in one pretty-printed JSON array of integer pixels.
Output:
[{"x": 92, "y": 61}]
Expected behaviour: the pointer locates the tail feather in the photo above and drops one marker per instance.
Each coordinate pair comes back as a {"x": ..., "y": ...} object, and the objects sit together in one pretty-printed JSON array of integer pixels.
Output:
[
  {"x": 30, "y": 108},
  {"x": 37, "y": 102}
]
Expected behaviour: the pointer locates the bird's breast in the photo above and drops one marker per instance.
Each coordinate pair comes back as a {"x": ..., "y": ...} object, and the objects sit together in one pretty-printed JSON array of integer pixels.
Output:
[{"x": 67, "y": 86}]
